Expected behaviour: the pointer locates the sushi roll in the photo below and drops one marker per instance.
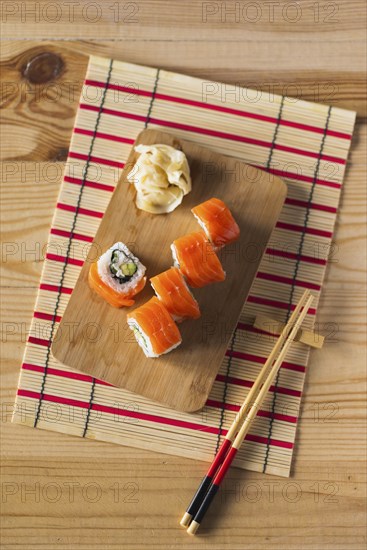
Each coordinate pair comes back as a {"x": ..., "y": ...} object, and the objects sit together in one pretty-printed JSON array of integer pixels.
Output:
[
  {"x": 195, "y": 257},
  {"x": 117, "y": 276},
  {"x": 172, "y": 290},
  {"x": 154, "y": 329},
  {"x": 217, "y": 222}
]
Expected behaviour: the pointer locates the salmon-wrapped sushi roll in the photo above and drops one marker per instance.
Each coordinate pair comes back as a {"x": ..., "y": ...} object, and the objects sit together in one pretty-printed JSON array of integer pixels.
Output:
[
  {"x": 154, "y": 329},
  {"x": 217, "y": 222},
  {"x": 117, "y": 276},
  {"x": 175, "y": 295},
  {"x": 195, "y": 257}
]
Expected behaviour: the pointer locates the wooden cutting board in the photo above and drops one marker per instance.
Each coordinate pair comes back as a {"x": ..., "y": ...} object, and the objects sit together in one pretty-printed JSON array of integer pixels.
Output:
[{"x": 101, "y": 344}]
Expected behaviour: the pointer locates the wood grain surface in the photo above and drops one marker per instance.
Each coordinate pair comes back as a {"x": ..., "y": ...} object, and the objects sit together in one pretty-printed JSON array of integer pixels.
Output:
[
  {"x": 183, "y": 378},
  {"x": 66, "y": 493}
]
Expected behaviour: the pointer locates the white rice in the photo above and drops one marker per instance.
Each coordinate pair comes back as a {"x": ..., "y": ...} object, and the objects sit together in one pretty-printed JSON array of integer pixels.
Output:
[
  {"x": 207, "y": 233},
  {"x": 203, "y": 227},
  {"x": 103, "y": 266},
  {"x": 176, "y": 263},
  {"x": 188, "y": 290},
  {"x": 144, "y": 341},
  {"x": 177, "y": 318}
]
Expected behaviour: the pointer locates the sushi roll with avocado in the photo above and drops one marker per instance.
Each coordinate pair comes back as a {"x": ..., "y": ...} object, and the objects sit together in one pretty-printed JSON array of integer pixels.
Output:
[
  {"x": 154, "y": 329},
  {"x": 172, "y": 290},
  {"x": 217, "y": 221},
  {"x": 117, "y": 276},
  {"x": 194, "y": 255}
]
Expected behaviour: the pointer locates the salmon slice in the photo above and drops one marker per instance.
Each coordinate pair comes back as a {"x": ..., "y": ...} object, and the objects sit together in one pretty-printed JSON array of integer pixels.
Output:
[
  {"x": 195, "y": 256},
  {"x": 154, "y": 329},
  {"x": 114, "y": 298},
  {"x": 217, "y": 221},
  {"x": 173, "y": 292}
]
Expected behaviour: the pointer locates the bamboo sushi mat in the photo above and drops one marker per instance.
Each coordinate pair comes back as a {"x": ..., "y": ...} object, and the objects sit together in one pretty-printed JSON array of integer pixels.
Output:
[{"x": 304, "y": 143}]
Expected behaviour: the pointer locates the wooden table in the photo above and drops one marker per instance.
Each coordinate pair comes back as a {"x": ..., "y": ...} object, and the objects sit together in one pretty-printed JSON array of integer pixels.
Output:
[{"x": 66, "y": 493}]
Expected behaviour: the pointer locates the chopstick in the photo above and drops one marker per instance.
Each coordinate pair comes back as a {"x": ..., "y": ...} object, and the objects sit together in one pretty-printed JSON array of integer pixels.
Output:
[
  {"x": 195, "y": 523},
  {"x": 221, "y": 454},
  {"x": 217, "y": 470}
]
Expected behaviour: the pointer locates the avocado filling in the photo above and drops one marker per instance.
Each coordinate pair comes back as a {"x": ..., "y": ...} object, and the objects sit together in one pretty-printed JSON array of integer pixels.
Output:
[
  {"x": 122, "y": 266},
  {"x": 140, "y": 337}
]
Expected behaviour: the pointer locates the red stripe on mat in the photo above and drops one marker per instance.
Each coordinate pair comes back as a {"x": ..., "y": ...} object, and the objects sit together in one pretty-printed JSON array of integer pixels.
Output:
[
  {"x": 196, "y": 130},
  {"x": 311, "y": 154},
  {"x": 68, "y": 235},
  {"x": 303, "y": 229},
  {"x": 267, "y": 414},
  {"x": 301, "y": 177},
  {"x": 112, "y": 112},
  {"x": 261, "y": 360},
  {"x": 295, "y": 257},
  {"x": 84, "y": 211},
  {"x": 38, "y": 341},
  {"x": 275, "y": 303},
  {"x": 46, "y": 316},
  {"x": 97, "y": 160},
  {"x": 63, "y": 374},
  {"x": 220, "y": 108},
  {"x": 55, "y": 288},
  {"x": 147, "y": 417},
  {"x": 313, "y": 205},
  {"x": 103, "y": 135},
  {"x": 248, "y": 384},
  {"x": 92, "y": 184},
  {"x": 250, "y": 328},
  {"x": 64, "y": 259},
  {"x": 286, "y": 280}
]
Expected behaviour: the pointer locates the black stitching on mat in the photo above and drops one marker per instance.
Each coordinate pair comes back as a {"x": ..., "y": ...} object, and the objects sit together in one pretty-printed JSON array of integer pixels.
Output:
[
  {"x": 270, "y": 156},
  {"x": 275, "y": 133},
  {"x": 152, "y": 99},
  {"x": 221, "y": 420},
  {"x": 234, "y": 334},
  {"x": 90, "y": 404},
  {"x": 85, "y": 174},
  {"x": 298, "y": 261}
]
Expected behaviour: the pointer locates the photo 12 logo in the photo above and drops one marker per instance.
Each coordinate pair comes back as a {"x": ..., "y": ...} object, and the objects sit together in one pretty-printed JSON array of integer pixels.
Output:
[
  {"x": 69, "y": 492},
  {"x": 269, "y": 12},
  {"x": 69, "y": 12}
]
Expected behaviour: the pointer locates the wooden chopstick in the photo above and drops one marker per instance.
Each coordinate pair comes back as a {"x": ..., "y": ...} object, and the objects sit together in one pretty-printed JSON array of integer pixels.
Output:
[
  {"x": 226, "y": 453},
  {"x": 220, "y": 456},
  {"x": 226, "y": 444}
]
